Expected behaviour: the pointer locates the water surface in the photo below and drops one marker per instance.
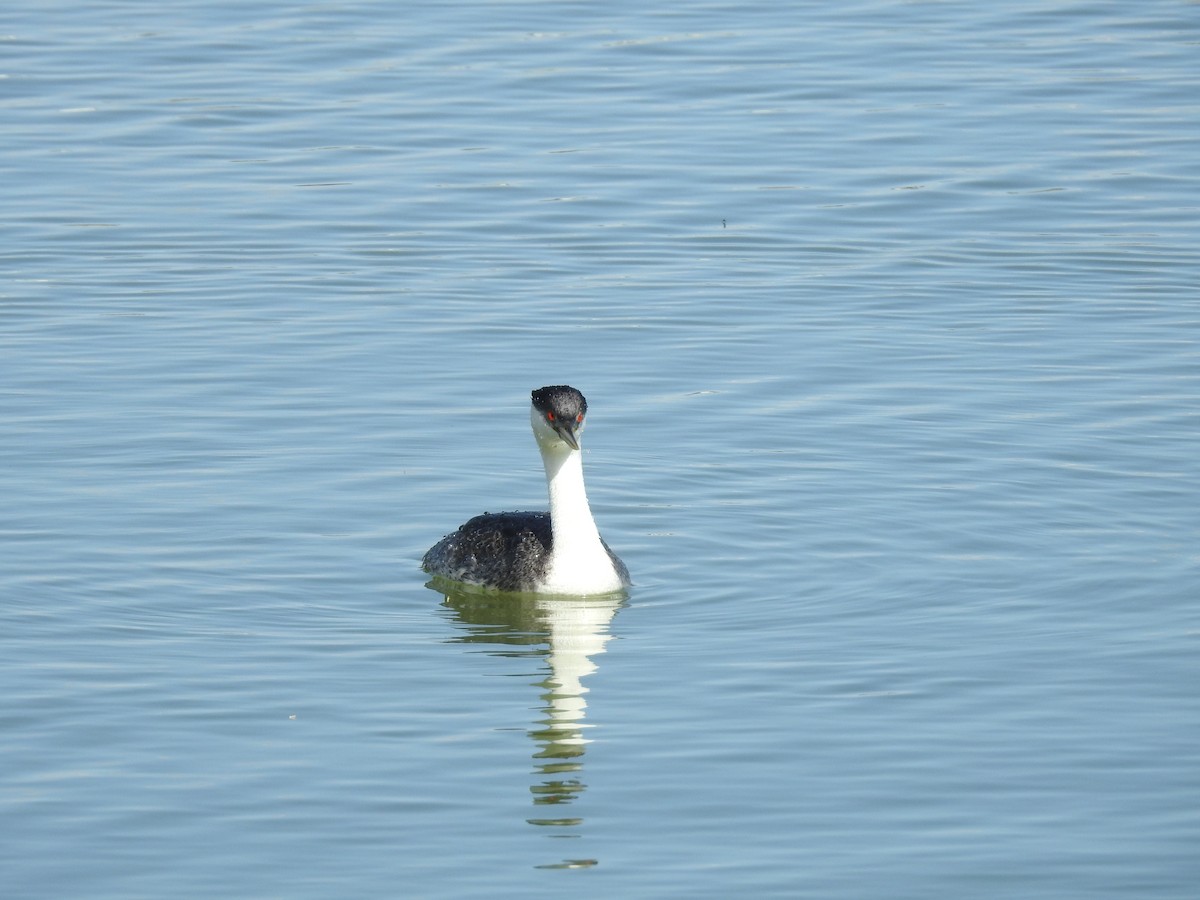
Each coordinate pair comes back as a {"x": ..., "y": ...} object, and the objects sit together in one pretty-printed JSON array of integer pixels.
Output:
[{"x": 887, "y": 318}]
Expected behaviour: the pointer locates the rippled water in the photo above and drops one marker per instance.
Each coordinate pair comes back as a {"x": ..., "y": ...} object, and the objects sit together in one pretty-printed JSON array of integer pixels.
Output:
[{"x": 887, "y": 315}]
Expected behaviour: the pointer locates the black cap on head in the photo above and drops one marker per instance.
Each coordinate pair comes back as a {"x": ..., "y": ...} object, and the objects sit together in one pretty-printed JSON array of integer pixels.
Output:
[
  {"x": 563, "y": 409},
  {"x": 562, "y": 400}
]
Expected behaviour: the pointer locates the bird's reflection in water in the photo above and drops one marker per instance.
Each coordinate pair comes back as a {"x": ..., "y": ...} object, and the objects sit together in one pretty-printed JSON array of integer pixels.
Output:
[{"x": 566, "y": 633}]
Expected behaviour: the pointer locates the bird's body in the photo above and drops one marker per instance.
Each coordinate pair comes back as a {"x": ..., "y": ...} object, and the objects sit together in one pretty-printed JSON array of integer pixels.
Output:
[{"x": 555, "y": 552}]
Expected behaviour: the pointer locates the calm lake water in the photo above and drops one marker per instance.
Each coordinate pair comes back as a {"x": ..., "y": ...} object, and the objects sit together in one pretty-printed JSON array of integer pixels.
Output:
[{"x": 888, "y": 316}]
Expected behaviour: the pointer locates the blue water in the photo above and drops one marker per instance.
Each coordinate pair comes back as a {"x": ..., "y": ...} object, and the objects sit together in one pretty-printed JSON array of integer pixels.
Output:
[{"x": 888, "y": 318}]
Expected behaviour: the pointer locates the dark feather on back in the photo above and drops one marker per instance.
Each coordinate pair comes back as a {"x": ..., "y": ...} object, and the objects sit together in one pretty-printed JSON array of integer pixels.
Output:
[{"x": 509, "y": 551}]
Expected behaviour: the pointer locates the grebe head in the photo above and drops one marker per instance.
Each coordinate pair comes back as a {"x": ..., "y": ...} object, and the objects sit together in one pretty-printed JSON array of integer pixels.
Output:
[{"x": 558, "y": 415}]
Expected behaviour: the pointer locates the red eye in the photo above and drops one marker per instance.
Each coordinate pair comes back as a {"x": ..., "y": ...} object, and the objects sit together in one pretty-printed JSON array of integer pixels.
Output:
[
  {"x": 549, "y": 417},
  {"x": 579, "y": 418}
]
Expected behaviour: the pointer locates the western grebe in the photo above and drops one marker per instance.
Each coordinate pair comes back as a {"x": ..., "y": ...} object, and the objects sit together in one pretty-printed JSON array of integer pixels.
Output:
[{"x": 559, "y": 552}]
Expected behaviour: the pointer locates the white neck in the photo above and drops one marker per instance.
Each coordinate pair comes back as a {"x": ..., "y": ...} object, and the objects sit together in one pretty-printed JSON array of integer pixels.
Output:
[
  {"x": 570, "y": 514},
  {"x": 579, "y": 562}
]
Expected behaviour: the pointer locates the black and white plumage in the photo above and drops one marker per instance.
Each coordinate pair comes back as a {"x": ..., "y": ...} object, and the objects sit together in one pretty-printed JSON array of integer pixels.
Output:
[{"x": 555, "y": 552}]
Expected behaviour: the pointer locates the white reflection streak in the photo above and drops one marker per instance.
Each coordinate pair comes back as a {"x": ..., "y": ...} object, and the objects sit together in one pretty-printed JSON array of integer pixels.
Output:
[{"x": 577, "y": 632}]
